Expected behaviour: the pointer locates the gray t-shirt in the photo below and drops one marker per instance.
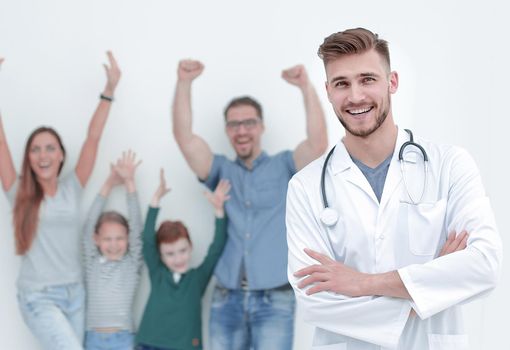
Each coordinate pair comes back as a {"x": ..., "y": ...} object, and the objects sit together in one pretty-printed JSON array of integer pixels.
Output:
[
  {"x": 375, "y": 176},
  {"x": 54, "y": 257}
]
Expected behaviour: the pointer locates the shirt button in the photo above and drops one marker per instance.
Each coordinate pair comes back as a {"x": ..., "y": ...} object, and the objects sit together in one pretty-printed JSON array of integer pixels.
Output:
[
  {"x": 248, "y": 235},
  {"x": 247, "y": 203},
  {"x": 381, "y": 236}
]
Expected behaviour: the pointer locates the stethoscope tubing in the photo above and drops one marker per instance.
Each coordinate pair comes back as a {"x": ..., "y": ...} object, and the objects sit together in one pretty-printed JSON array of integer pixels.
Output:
[
  {"x": 401, "y": 160},
  {"x": 323, "y": 178}
]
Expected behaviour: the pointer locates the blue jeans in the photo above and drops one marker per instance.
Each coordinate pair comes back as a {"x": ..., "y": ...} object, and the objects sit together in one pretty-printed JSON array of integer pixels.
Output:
[
  {"x": 121, "y": 340},
  {"x": 55, "y": 315},
  {"x": 258, "y": 320}
]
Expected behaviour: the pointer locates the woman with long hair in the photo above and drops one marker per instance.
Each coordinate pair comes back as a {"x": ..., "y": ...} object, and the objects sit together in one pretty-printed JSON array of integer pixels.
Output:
[{"x": 45, "y": 205}]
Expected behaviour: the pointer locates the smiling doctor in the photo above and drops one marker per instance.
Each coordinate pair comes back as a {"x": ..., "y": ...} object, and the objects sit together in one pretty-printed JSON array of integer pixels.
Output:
[{"x": 374, "y": 258}]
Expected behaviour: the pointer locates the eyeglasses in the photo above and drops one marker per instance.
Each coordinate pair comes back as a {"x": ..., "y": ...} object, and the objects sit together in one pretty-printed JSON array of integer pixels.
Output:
[{"x": 247, "y": 123}]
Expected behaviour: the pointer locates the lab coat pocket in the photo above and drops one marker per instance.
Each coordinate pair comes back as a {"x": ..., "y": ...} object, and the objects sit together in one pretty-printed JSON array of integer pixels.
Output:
[
  {"x": 337, "y": 346},
  {"x": 448, "y": 342},
  {"x": 425, "y": 222}
]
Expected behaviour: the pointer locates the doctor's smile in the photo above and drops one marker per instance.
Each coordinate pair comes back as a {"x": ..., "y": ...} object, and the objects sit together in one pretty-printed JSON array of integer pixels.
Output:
[{"x": 359, "y": 111}]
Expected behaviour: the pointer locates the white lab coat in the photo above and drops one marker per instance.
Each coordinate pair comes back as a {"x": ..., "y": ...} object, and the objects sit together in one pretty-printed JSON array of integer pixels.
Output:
[{"x": 393, "y": 235}]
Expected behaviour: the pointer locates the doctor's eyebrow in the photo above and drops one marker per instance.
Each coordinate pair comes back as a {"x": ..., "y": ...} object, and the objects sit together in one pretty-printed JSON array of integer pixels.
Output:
[
  {"x": 361, "y": 75},
  {"x": 335, "y": 79},
  {"x": 368, "y": 74}
]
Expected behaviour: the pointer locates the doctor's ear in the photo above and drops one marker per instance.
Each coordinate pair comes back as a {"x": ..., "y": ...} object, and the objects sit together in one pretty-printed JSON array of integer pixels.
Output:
[{"x": 393, "y": 82}]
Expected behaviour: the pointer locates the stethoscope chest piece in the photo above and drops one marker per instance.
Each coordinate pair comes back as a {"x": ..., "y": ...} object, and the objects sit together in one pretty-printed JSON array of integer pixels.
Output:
[{"x": 329, "y": 217}]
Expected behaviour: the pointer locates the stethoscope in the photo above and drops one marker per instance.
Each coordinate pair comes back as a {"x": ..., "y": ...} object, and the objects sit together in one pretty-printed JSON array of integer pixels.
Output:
[{"x": 329, "y": 216}]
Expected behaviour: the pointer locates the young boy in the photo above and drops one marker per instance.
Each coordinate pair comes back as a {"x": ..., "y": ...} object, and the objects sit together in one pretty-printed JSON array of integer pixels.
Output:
[
  {"x": 172, "y": 317},
  {"x": 113, "y": 262}
]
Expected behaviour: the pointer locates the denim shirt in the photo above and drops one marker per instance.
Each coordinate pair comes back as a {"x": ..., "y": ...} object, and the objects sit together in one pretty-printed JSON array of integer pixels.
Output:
[{"x": 256, "y": 226}]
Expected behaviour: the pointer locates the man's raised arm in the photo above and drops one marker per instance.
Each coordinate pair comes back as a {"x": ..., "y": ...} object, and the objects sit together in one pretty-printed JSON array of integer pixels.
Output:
[
  {"x": 316, "y": 140},
  {"x": 195, "y": 150}
]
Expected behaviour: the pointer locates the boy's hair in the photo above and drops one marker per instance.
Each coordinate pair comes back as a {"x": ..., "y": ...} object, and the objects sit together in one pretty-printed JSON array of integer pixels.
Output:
[
  {"x": 353, "y": 41},
  {"x": 171, "y": 231},
  {"x": 111, "y": 216},
  {"x": 244, "y": 101}
]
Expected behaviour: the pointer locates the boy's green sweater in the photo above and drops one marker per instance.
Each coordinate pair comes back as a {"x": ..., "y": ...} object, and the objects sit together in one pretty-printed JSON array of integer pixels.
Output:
[{"x": 172, "y": 317}]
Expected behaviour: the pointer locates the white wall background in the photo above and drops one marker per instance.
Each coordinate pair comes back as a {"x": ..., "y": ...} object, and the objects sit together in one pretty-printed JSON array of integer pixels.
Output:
[{"x": 452, "y": 58}]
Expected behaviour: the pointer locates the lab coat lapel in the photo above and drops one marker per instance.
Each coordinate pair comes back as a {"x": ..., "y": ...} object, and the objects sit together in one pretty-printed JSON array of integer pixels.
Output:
[
  {"x": 394, "y": 176},
  {"x": 342, "y": 165}
]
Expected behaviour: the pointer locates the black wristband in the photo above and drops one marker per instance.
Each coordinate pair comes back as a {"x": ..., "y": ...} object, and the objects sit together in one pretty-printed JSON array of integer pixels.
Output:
[{"x": 106, "y": 98}]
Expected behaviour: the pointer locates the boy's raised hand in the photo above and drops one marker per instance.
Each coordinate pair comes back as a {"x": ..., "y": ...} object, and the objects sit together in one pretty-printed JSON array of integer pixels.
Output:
[
  {"x": 161, "y": 191},
  {"x": 219, "y": 197}
]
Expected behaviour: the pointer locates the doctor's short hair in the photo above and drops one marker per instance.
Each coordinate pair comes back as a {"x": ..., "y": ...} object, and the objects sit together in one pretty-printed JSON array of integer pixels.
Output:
[
  {"x": 353, "y": 41},
  {"x": 171, "y": 231},
  {"x": 244, "y": 101}
]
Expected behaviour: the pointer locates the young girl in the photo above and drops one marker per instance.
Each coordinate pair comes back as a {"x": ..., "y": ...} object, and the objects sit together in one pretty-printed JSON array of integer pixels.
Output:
[
  {"x": 172, "y": 317},
  {"x": 46, "y": 226},
  {"x": 113, "y": 260}
]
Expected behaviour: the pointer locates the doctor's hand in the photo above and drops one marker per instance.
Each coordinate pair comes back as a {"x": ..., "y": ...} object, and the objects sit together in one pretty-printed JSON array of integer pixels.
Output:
[
  {"x": 331, "y": 276},
  {"x": 454, "y": 243}
]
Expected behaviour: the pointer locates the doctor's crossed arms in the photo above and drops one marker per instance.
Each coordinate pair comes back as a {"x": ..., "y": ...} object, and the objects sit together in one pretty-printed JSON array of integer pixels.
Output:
[{"x": 332, "y": 276}]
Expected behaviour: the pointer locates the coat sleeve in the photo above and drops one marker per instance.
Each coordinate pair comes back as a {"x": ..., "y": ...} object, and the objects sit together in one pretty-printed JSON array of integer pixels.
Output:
[
  {"x": 377, "y": 320},
  {"x": 470, "y": 273}
]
